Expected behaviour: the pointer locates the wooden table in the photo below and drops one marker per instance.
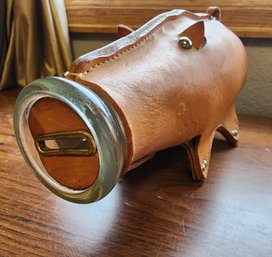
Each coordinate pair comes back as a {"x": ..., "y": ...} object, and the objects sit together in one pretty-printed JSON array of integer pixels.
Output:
[{"x": 156, "y": 210}]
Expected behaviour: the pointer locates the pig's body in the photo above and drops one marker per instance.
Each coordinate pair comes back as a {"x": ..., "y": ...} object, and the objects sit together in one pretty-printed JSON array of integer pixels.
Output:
[
  {"x": 166, "y": 95},
  {"x": 171, "y": 82}
]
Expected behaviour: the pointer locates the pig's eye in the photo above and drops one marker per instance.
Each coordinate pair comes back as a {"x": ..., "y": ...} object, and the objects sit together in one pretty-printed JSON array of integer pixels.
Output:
[
  {"x": 185, "y": 42},
  {"x": 194, "y": 35}
]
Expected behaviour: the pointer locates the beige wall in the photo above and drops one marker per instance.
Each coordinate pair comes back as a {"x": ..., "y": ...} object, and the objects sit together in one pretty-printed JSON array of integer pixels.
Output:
[{"x": 256, "y": 97}]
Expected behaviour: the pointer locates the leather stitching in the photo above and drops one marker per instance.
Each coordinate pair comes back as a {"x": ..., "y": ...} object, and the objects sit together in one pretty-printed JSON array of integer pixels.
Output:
[{"x": 127, "y": 48}]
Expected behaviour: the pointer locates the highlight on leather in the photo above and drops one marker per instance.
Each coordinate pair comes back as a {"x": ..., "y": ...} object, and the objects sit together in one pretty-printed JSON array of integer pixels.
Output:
[{"x": 185, "y": 70}]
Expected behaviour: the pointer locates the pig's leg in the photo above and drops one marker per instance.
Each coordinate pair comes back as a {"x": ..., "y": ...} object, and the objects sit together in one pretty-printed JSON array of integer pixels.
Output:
[
  {"x": 199, "y": 152},
  {"x": 230, "y": 127},
  {"x": 199, "y": 148}
]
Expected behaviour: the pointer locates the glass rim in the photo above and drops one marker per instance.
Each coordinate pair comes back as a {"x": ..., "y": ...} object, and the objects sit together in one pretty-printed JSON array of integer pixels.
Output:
[{"x": 107, "y": 131}]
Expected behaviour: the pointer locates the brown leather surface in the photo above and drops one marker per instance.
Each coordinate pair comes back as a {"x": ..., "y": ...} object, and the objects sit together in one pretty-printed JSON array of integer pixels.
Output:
[
  {"x": 50, "y": 115},
  {"x": 167, "y": 95}
]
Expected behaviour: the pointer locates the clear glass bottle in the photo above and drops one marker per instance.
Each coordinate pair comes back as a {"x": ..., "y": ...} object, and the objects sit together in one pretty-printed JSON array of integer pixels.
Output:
[{"x": 100, "y": 118}]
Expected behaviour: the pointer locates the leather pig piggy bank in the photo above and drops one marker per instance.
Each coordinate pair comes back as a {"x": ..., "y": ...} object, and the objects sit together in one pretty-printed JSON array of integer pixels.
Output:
[{"x": 171, "y": 82}]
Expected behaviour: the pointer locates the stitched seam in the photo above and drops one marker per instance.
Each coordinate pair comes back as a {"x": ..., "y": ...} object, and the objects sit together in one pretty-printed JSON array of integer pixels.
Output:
[
  {"x": 122, "y": 52},
  {"x": 126, "y": 50}
]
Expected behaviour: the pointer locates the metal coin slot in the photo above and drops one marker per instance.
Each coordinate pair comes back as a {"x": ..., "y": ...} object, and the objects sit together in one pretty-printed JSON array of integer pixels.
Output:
[{"x": 66, "y": 143}]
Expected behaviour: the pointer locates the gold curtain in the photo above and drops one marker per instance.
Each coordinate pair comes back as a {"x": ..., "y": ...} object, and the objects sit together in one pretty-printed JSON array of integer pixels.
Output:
[{"x": 34, "y": 41}]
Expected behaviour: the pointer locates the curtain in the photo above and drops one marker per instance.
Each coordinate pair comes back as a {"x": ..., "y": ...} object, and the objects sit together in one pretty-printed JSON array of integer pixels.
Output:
[{"x": 34, "y": 41}]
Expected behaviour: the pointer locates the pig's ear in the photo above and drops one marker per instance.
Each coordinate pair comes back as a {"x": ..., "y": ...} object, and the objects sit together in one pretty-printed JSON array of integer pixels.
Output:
[
  {"x": 196, "y": 34},
  {"x": 214, "y": 12},
  {"x": 124, "y": 30}
]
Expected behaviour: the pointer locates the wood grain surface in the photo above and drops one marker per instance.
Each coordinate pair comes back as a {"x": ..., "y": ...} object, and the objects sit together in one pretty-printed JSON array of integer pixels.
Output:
[
  {"x": 246, "y": 18},
  {"x": 155, "y": 210}
]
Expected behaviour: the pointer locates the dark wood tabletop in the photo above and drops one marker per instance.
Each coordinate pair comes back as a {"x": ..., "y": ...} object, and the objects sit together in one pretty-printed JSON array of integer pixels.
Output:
[{"x": 155, "y": 210}]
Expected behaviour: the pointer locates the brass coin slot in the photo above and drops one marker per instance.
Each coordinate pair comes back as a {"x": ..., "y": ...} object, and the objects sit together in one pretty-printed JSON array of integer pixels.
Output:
[{"x": 74, "y": 143}]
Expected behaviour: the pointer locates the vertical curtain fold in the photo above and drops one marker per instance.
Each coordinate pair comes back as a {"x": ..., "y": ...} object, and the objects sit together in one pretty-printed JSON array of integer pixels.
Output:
[
  {"x": 3, "y": 33},
  {"x": 37, "y": 41}
]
